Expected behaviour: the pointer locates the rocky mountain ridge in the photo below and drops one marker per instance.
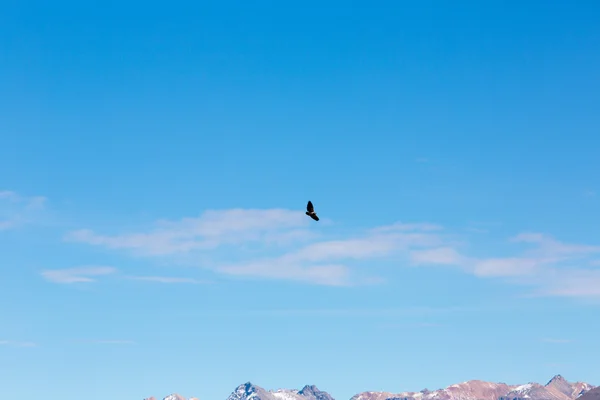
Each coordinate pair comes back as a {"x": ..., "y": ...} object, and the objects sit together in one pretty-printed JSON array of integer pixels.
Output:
[
  {"x": 558, "y": 388},
  {"x": 592, "y": 394}
]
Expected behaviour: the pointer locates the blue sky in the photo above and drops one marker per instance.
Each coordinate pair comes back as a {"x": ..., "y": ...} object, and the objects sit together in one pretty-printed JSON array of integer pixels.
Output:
[{"x": 156, "y": 161}]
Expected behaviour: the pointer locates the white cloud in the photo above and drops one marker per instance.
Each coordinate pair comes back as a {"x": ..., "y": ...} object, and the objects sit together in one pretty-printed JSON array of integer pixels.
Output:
[
  {"x": 572, "y": 282},
  {"x": 17, "y": 210},
  {"x": 297, "y": 249},
  {"x": 75, "y": 275},
  {"x": 212, "y": 229},
  {"x": 547, "y": 246},
  {"x": 438, "y": 255},
  {"x": 361, "y": 248},
  {"x": 319, "y": 262},
  {"x": 548, "y": 267},
  {"x": 511, "y": 266}
]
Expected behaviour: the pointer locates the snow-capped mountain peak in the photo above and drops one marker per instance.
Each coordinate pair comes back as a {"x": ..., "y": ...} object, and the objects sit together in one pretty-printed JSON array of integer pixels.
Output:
[
  {"x": 557, "y": 388},
  {"x": 248, "y": 391},
  {"x": 175, "y": 396}
]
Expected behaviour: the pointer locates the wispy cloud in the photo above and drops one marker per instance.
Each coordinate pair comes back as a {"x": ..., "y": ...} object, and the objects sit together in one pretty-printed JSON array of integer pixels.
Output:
[
  {"x": 323, "y": 262},
  {"x": 510, "y": 266},
  {"x": 438, "y": 255},
  {"x": 549, "y": 266},
  {"x": 91, "y": 273},
  {"x": 17, "y": 210},
  {"x": 571, "y": 282},
  {"x": 27, "y": 201},
  {"x": 13, "y": 343},
  {"x": 318, "y": 262},
  {"x": 167, "y": 279},
  {"x": 212, "y": 229},
  {"x": 79, "y": 274},
  {"x": 286, "y": 245},
  {"x": 548, "y": 246},
  {"x": 553, "y": 267}
]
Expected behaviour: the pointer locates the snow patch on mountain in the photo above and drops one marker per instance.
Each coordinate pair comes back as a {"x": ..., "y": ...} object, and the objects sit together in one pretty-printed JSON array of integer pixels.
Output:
[{"x": 557, "y": 388}]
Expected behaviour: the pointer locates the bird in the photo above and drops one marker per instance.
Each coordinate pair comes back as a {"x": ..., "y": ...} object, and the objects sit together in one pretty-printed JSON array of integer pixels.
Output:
[{"x": 310, "y": 211}]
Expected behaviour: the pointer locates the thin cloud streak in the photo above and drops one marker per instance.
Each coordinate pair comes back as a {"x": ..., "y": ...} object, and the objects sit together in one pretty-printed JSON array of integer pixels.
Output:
[
  {"x": 542, "y": 267},
  {"x": 317, "y": 263},
  {"x": 214, "y": 228},
  {"x": 549, "y": 246},
  {"x": 547, "y": 266},
  {"x": 321, "y": 263},
  {"x": 17, "y": 210},
  {"x": 77, "y": 275},
  {"x": 438, "y": 255},
  {"x": 27, "y": 201},
  {"x": 572, "y": 283},
  {"x": 507, "y": 267}
]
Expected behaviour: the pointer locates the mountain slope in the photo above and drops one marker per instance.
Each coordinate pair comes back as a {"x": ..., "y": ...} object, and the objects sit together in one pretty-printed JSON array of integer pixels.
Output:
[
  {"x": 592, "y": 394},
  {"x": 173, "y": 396},
  {"x": 248, "y": 391},
  {"x": 556, "y": 389},
  {"x": 474, "y": 389}
]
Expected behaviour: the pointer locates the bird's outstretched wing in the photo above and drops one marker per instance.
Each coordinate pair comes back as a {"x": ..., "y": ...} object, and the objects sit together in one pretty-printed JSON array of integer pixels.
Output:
[
  {"x": 314, "y": 216},
  {"x": 309, "y": 207}
]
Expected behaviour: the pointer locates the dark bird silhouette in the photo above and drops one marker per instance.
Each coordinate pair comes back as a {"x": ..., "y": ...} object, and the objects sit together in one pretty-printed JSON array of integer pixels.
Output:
[{"x": 310, "y": 211}]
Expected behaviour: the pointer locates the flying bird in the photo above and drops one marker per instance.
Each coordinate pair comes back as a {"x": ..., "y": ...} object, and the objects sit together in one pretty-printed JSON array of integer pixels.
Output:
[{"x": 310, "y": 211}]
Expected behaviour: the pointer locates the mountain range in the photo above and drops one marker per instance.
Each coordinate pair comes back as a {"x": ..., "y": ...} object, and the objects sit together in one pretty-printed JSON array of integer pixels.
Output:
[{"x": 558, "y": 388}]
